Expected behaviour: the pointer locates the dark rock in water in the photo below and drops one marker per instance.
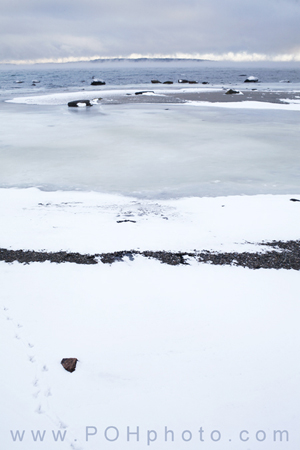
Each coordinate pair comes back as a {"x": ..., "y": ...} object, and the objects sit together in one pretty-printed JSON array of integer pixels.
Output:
[
  {"x": 232, "y": 91},
  {"x": 168, "y": 82},
  {"x": 294, "y": 200},
  {"x": 97, "y": 83},
  {"x": 155, "y": 81},
  {"x": 243, "y": 75},
  {"x": 69, "y": 364},
  {"x": 187, "y": 81},
  {"x": 205, "y": 82},
  {"x": 143, "y": 92},
  {"x": 251, "y": 80},
  {"x": 33, "y": 84},
  {"x": 74, "y": 104}
]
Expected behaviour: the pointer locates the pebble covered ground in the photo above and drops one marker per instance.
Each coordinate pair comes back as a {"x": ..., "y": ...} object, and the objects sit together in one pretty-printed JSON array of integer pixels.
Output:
[{"x": 282, "y": 255}]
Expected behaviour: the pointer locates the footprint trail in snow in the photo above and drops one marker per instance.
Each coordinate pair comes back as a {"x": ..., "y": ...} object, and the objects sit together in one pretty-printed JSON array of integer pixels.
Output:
[{"x": 41, "y": 389}]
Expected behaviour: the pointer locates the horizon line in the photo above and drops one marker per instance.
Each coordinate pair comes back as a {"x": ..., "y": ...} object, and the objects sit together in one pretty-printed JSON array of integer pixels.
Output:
[{"x": 208, "y": 57}]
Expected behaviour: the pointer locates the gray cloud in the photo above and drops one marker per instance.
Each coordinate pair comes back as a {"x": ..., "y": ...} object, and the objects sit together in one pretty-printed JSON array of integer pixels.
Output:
[{"x": 32, "y": 29}]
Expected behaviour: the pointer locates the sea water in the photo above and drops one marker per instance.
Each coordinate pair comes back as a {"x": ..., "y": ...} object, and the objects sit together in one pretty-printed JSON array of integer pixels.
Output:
[
  {"x": 146, "y": 150},
  {"x": 54, "y": 77}
]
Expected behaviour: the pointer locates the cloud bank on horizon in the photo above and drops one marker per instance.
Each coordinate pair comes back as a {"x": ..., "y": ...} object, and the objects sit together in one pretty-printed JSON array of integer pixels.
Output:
[{"x": 72, "y": 30}]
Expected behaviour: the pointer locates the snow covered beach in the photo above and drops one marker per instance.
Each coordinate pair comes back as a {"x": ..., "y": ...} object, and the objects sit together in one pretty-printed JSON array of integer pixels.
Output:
[{"x": 194, "y": 354}]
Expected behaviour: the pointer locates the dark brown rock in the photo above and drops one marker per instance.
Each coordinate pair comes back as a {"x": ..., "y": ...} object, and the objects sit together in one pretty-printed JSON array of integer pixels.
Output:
[
  {"x": 155, "y": 81},
  {"x": 168, "y": 82},
  {"x": 69, "y": 364}
]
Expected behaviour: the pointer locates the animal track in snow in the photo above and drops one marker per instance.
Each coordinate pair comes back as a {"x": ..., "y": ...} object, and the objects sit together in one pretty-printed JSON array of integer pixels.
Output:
[
  {"x": 39, "y": 410},
  {"x": 48, "y": 393},
  {"x": 75, "y": 446},
  {"x": 41, "y": 393},
  {"x": 62, "y": 425}
]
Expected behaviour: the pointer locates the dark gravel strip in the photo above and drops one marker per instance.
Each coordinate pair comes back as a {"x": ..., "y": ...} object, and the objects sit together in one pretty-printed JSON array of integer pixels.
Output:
[
  {"x": 27, "y": 256},
  {"x": 284, "y": 255}
]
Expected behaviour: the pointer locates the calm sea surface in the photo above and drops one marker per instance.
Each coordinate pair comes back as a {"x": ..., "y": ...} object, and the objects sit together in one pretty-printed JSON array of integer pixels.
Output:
[{"x": 18, "y": 80}]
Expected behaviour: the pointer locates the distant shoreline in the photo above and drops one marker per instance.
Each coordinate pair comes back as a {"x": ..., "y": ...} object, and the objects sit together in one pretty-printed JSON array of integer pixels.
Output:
[{"x": 149, "y": 61}]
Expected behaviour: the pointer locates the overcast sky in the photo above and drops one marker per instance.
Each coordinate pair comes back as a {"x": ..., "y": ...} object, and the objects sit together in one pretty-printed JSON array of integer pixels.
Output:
[{"x": 54, "y": 29}]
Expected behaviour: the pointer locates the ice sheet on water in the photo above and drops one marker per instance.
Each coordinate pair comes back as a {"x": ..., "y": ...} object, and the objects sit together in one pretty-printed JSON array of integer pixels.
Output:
[
  {"x": 290, "y": 100},
  {"x": 64, "y": 98},
  {"x": 291, "y": 105},
  {"x": 151, "y": 150}
]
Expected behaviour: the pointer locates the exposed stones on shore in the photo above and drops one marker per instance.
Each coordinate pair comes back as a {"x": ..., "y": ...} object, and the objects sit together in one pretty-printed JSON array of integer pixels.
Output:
[
  {"x": 284, "y": 255},
  {"x": 27, "y": 256}
]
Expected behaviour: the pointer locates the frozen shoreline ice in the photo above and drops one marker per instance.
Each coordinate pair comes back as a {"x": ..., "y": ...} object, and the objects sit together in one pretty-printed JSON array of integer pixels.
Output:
[
  {"x": 175, "y": 94},
  {"x": 152, "y": 150}
]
